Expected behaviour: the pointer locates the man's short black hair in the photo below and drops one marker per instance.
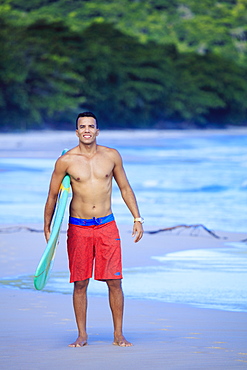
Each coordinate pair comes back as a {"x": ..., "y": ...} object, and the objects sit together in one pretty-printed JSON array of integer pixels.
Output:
[{"x": 86, "y": 114}]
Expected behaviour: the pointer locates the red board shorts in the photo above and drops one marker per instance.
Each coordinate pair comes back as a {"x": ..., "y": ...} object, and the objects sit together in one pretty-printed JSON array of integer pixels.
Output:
[{"x": 94, "y": 243}]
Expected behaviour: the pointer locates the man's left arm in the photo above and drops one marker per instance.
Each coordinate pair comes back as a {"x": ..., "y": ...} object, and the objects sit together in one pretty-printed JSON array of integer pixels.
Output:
[{"x": 127, "y": 195}]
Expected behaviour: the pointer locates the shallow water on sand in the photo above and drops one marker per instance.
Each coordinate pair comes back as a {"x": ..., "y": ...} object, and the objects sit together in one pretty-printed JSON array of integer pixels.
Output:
[{"x": 210, "y": 278}]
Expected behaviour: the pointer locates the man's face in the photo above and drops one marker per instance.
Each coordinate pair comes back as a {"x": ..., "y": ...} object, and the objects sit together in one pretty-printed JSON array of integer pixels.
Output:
[{"x": 87, "y": 130}]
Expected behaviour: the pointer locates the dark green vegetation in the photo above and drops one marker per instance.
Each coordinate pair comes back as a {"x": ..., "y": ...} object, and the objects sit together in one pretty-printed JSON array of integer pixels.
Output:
[{"x": 154, "y": 63}]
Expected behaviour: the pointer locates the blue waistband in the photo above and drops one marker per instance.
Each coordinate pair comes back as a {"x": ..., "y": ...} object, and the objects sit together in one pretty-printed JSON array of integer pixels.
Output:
[{"x": 91, "y": 221}]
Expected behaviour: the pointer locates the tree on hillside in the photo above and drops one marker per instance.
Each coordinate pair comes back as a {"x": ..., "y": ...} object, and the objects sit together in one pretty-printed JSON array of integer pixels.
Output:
[
  {"x": 49, "y": 72},
  {"x": 38, "y": 82},
  {"x": 208, "y": 26}
]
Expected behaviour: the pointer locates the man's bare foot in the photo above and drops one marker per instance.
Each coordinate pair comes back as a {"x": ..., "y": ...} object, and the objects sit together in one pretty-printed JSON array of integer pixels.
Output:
[
  {"x": 121, "y": 341},
  {"x": 80, "y": 342}
]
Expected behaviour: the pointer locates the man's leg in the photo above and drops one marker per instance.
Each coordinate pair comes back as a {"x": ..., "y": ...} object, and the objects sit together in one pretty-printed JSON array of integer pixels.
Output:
[
  {"x": 80, "y": 308},
  {"x": 116, "y": 300}
]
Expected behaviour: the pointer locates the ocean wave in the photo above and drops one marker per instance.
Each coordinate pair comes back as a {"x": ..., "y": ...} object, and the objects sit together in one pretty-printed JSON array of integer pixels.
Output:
[
  {"x": 244, "y": 185},
  {"x": 154, "y": 185}
]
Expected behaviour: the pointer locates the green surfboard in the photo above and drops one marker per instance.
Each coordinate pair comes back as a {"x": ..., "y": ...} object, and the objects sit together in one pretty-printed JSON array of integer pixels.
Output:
[{"x": 45, "y": 265}]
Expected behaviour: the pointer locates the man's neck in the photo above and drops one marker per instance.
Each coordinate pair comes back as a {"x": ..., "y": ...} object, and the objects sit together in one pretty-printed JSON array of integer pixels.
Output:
[{"x": 88, "y": 149}]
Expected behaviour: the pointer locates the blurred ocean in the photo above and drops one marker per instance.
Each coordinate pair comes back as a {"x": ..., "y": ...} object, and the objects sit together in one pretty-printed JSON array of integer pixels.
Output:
[{"x": 177, "y": 180}]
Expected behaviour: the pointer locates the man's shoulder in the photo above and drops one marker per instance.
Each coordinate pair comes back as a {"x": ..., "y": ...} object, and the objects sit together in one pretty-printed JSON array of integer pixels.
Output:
[
  {"x": 108, "y": 151},
  {"x": 66, "y": 157},
  {"x": 69, "y": 153},
  {"x": 74, "y": 150}
]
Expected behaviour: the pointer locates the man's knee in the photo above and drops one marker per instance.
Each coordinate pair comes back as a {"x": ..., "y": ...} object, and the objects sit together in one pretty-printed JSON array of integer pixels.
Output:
[
  {"x": 81, "y": 286},
  {"x": 114, "y": 284}
]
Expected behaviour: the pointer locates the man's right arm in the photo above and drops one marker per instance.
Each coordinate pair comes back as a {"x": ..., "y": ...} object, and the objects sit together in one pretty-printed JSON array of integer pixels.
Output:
[{"x": 56, "y": 179}]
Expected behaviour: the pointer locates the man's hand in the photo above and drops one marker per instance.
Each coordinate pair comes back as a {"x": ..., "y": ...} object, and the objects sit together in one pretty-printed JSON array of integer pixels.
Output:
[{"x": 137, "y": 231}]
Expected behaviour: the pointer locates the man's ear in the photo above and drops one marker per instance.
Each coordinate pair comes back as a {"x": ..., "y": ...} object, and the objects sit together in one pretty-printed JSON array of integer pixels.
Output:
[
  {"x": 97, "y": 132},
  {"x": 76, "y": 132}
]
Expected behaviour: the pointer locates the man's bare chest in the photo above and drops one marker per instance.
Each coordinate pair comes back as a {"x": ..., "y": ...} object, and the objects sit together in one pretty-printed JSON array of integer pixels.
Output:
[{"x": 94, "y": 169}]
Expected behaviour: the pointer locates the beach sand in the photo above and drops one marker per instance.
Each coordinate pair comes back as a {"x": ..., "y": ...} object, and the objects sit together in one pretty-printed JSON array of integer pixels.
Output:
[{"x": 36, "y": 327}]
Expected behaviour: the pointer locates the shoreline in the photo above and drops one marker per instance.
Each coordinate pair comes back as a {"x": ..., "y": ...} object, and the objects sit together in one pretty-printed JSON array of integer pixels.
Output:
[
  {"x": 48, "y": 143},
  {"x": 161, "y": 243},
  {"x": 38, "y": 326},
  {"x": 136, "y": 257}
]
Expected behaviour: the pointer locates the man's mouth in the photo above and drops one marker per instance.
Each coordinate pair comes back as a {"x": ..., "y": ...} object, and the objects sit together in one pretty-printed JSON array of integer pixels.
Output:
[{"x": 87, "y": 136}]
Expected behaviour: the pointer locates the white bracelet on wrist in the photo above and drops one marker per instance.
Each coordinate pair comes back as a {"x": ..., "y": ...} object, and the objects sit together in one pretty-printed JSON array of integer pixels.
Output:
[{"x": 139, "y": 219}]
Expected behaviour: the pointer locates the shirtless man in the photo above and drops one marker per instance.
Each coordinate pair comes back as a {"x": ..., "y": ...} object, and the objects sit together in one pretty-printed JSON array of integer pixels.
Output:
[{"x": 92, "y": 232}]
